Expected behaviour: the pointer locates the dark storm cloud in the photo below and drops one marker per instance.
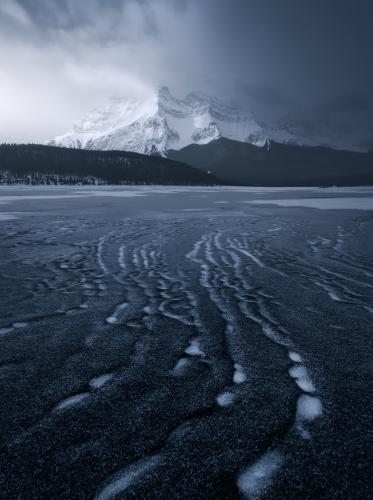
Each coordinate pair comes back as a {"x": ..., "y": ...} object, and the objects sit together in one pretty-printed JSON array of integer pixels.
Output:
[{"x": 299, "y": 60}]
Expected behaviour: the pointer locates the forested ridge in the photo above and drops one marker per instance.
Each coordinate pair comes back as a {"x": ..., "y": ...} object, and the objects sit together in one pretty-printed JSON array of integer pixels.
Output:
[{"x": 39, "y": 164}]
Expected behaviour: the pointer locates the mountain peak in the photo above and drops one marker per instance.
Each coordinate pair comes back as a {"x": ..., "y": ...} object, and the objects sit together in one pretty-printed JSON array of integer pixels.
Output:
[{"x": 163, "y": 91}]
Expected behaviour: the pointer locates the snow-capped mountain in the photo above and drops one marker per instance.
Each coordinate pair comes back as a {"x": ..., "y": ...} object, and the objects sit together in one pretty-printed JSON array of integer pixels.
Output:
[{"x": 162, "y": 122}]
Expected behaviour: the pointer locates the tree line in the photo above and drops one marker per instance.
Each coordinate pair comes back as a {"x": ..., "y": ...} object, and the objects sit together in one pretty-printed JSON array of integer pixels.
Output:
[{"x": 39, "y": 164}]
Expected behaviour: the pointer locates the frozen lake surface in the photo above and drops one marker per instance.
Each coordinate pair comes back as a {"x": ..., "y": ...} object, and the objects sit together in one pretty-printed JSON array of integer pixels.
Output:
[
  {"x": 344, "y": 203},
  {"x": 185, "y": 343}
]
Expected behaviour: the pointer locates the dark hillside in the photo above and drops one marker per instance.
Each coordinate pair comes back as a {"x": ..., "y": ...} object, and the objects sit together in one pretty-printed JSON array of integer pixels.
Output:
[
  {"x": 37, "y": 163},
  {"x": 278, "y": 164}
]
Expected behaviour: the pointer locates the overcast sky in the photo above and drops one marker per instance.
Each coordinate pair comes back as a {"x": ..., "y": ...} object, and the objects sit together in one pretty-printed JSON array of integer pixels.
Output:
[{"x": 306, "y": 61}]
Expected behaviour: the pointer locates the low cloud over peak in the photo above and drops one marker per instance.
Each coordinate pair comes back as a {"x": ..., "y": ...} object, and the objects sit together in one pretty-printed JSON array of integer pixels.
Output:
[{"x": 285, "y": 61}]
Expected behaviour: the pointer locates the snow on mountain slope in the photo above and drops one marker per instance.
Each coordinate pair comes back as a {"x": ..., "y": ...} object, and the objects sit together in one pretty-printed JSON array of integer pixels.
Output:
[{"x": 162, "y": 122}]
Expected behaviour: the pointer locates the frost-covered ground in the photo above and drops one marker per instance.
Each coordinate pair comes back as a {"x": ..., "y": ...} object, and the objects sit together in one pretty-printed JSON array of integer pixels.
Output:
[{"x": 185, "y": 343}]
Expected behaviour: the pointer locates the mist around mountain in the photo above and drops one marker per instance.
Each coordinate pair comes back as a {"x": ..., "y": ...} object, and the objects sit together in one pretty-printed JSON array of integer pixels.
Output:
[{"x": 162, "y": 122}]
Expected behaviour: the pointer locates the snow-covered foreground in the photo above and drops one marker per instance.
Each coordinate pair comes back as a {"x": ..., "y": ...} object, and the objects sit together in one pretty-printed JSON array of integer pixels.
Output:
[{"x": 182, "y": 343}]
